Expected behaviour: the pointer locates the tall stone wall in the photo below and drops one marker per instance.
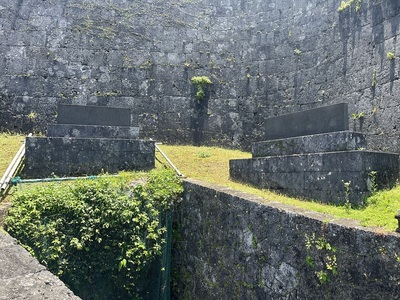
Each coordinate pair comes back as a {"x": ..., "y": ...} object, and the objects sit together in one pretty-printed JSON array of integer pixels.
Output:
[
  {"x": 264, "y": 57},
  {"x": 229, "y": 245}
]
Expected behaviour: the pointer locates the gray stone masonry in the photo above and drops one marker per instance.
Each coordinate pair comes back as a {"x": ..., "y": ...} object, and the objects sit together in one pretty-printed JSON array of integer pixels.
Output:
[
  {"x": 93, "y": 115},
  {"x": 320, "y": 176},
  {"x": 233, "y": 245},
  {"x": 331, "y": 167},
  {"x": 318, "y": 120},
  {"x": 265, "y": 58},
  {"x": 45, "y": 157},
  {"x": 22, "y": 277},
  {"x": 92, "y": 131},
  {"x": 92, "y": 140},
  {"x": 325, "y": 142}
]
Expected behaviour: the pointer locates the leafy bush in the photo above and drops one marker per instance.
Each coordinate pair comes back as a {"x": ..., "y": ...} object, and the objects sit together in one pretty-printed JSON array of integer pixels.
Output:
[
  {"x": 99, "y": 236},
  {"x": 200, "y": 82}
]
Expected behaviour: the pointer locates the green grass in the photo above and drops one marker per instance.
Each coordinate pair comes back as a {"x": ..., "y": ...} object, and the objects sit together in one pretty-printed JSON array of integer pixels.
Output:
[
  {"x": 9, "y": 145},
  {"x": 211, "y": 164}
]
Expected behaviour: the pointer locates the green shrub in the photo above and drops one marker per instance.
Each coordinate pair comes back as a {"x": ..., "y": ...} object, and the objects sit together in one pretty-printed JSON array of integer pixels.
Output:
[
  {"x": 100, "y": 236},
  {"x": 200, "y": 82},
  {"x": 390, "y": 55},
  {"x": 345, "y": 5}
]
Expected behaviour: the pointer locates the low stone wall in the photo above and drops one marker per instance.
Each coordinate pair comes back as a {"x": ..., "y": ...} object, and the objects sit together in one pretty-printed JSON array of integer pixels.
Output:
[
  {"x": 321, "y": 176},
  {"x": 230, "y": 245},
  {"x": 22, "y": 277},
  {"x": 74, "y": 156}
]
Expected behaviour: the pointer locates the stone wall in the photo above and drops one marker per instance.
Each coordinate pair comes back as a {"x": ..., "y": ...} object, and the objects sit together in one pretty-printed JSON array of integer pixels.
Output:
[
  {"x": 230, "y": 245},
  {"x": 264, "y": 57},
  {"x": 22, "y": 277},
  {"x": 46, "y": 157}
]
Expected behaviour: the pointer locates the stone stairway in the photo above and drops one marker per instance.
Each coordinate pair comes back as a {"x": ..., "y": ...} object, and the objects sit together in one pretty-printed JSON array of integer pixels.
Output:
[
  {"x": 320, "y": 164},
  {"x": 88, "y": 140}
]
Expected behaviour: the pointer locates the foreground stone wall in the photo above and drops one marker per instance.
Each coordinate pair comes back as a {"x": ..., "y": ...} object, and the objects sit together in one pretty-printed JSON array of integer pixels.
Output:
[
  {"x": 233, "y": 246},
  {"x": 264, "y": 57},
  {"x": 22, "y": 277}
]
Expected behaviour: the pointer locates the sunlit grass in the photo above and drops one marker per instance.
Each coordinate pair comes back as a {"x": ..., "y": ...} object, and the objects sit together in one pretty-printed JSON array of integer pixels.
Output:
[
  {"x": 211, "y": 164},
  {"x": 9, "y": 145}
]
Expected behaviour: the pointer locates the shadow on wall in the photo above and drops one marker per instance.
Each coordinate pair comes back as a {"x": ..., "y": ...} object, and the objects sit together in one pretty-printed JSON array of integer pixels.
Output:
[
  {"x": 199, "y": 116},
  {"x": 393, "y": 12}
]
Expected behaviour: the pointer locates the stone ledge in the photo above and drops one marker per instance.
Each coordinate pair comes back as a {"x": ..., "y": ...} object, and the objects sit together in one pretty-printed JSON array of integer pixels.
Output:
[
  {"x": 45, "y": 157},
  {"x": 325, "y": 142},
  {"x": 320, "y": 176},
  {"x": 255, "y": 241},
  {"x": 22, "y": 277},
  {"x": 92, "y": 131}
]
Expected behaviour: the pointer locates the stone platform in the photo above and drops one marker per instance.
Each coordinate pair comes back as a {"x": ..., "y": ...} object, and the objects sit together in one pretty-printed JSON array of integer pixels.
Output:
[
  {"x": 92, "y": 131},
  {"x": 46, "y": 156},
  {"x": 88, "y": 140},
  {"x": 320, "y": 176},
  {"x": 317, "y": 166}
]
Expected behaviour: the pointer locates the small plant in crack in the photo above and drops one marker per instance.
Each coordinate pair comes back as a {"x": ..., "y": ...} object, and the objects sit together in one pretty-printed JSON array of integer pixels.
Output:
[
  {"x": 200, "y": 82},
  {"x": 347, "y": 203}
]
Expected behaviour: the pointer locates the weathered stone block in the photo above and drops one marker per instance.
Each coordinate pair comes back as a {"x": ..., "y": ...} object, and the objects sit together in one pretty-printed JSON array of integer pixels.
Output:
[
  {"x": 319, "y": 120},
  {"x": 320, "y": 176},
  {"x": 235, "y": 245},
  {"x": 324, "y": 142},
  {"x": 22, "y": 277},
  {"x": 74, "y": 156},
  {"x": 93, "y": 115},
  {"x": 92, "y": 131}
]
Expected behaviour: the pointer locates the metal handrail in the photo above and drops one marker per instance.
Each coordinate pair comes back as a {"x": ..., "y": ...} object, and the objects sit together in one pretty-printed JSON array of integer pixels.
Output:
[{"x": 169, "y": 161}]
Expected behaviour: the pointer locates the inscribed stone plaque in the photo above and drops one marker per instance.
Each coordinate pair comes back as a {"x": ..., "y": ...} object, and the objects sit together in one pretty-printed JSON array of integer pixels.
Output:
[
  {"x": 93, "y": 115},
  {"x": 319, "y": 120}
]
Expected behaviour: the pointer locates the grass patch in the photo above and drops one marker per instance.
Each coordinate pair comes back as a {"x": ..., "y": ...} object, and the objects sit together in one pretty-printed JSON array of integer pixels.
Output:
[
  {"x": 9, "y": 145},
  {"x": 379, "y": 211}
]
